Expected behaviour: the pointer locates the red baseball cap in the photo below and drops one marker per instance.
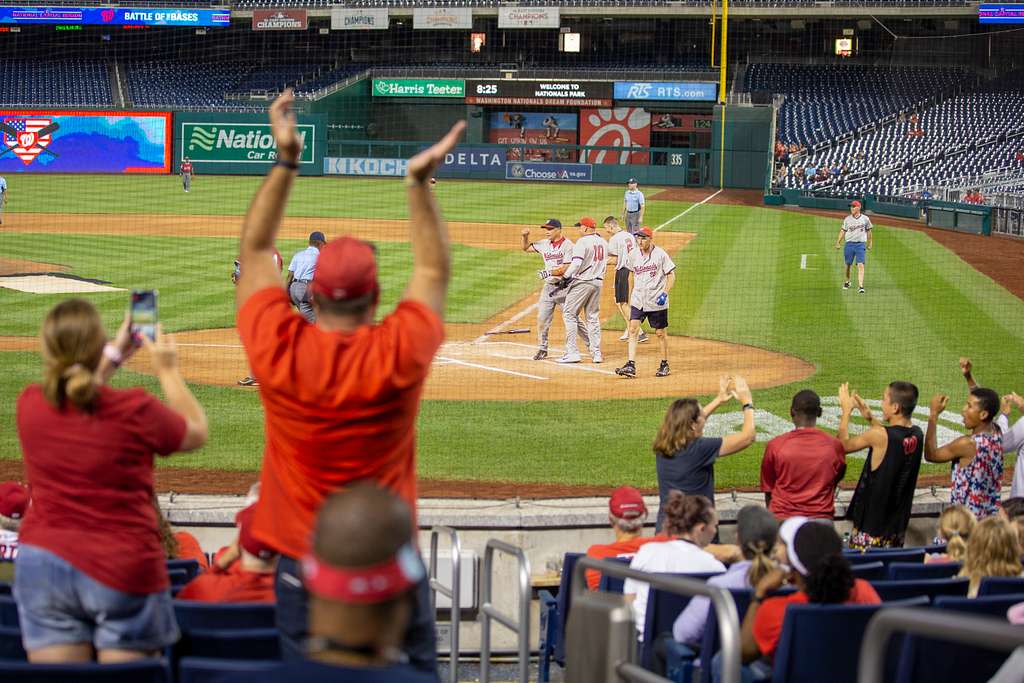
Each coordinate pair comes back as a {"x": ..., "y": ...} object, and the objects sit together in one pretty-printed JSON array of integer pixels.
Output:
[
  {"x": 346, "y": 269},
  {"x": 13, "y": 500},
  {"x": 587, "y": 222},
  {"x": 627, "y": 503},
  {"x": 855, "y": 203},
  {"x": 646, "y": 232},
  {"x": 248, "y": 542}
]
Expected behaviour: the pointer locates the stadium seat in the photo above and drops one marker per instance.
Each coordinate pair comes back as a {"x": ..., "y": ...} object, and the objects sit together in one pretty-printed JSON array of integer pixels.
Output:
[
  {"x": 888, "y": 556},
  {"x": 915, "y": 571},
  {"x": 256, "y": 643},
  {"x": 870, "y": 571},
  {"x": 146, "y": 671},
  {"x": 5, "y": 588},
  {"x": 191, "y": 567},
  {"x": 1000, "y": 585},
  {"x": 208, "y": 670},
  {"x": 10, "y": 644},
  {"x": 662, "y": 609},
  {"x": 933, "y": 661},
  {"x": 612, "y": 584},
  {"x": 824, "y": 638},
  {"x": 554, "y": 613},
  {"x": 929, "y": 588},
  {"x": 178, "y": 577},
  {"x": 204, "y": 615},
  {"x": 8, "y": 611}
]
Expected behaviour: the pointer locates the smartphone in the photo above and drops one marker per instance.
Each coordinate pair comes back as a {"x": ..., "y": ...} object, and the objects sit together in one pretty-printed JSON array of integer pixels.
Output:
[{"x": 144, "y": 316}]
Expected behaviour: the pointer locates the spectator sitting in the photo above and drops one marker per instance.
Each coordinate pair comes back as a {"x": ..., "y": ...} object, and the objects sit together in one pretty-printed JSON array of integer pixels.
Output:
[
  {"x": 627, "y": 514},
  {"x": 801, "y": 469},
  {"x": 691, "y": 523},
  {"x": 361, "y": 574},
  {"x": 251, "y": 581},
  {"x": 955, "y": 526},
  {"x": 977, "y": 457},
  {"x": 1012, "y": 509},
  {"x": 91, "y": 576},
  {"x": 13, "y": 504},
  {"x": 756, "y": 529},
  {"x": 178, "y": 545},
  {"x": 816, "y": 566},
  {"x": 882, "y": 502},
  {"x": 685, "y": 458},
  {"x": 992, "y": 550}
]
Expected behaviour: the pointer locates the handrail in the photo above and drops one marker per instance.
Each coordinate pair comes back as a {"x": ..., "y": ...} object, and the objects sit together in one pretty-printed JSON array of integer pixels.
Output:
[
  {"x": 522, "y": 628},
  {"x": 962, "y": 628},
  {"x": 721, "y": 601},
  {"x": 453, "y": 593}
]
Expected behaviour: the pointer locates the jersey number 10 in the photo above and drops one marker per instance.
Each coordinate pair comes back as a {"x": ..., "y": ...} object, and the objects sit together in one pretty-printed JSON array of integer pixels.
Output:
[{"x": 599, "y": 253}]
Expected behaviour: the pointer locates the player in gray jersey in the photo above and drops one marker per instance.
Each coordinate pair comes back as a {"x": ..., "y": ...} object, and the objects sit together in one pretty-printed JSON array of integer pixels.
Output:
[
  {"x": 654, "y": 275},
  {"x": 555, "y": 251},
  {"x": 858, "y": 235},
  {"x": 586, "y": 277}
]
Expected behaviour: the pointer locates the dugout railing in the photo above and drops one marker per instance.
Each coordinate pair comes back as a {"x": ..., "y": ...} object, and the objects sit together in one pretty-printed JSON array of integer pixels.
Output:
[
  {"x": 518, "y": 624},
  {"x": 453, "y": 592}
]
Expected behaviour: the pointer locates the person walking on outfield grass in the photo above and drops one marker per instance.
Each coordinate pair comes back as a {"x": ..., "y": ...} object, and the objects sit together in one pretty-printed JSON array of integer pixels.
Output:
[
  {"x": 3, "y": 198},
  {"x": 186, "y": 174},
  {"x": 586, "y": 277},
  {"x": 654, "y": 275},
  {"x": 300, "y": 273},
  {"x": 622, "y": 247},
  {"x": 633, "y": 207},
  {"x": 554, "y": 250},
  {"x": 857, "y": 231},
  {"x": 341, "y": 396}
]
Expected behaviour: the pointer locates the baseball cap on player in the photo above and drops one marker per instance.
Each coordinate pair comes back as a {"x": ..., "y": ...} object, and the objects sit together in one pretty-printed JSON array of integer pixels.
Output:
[
  {"x": 627, "y": 503},
  {"x": 587, "y": 222},
  {"x": 645, "y": 232},
  {"x": 854, "y": 203},
  {"x": 248, "y": 542},
  {"x": 552, "y": 223},
  {"x": 631, "y": 181},
  {"x": 346, "y": 269},
  {"x": 317, "y": 236},
  {"x": 13, "y": 500}
]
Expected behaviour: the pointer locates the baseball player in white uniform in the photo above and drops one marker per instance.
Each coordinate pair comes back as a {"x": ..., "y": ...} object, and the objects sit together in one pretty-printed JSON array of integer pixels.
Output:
[
  {"x": 857, "y": 232},
  {"x": 554, "y": 250},
  {"x": 622, "y": 247},
  {"x": 586, "y": 277},
  {"x": 654, "y": 274}
]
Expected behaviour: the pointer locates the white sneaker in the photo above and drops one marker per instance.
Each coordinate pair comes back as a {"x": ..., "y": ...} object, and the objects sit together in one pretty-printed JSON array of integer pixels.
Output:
[
  {"x": 624, "y": 337},
  {"x": 643, "y": 338},
  {"x": 570, "y": 359},
  {"x": 598, "y": 358}
]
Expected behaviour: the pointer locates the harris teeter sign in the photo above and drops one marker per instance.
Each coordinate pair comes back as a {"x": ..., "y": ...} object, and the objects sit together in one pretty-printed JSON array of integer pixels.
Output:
[{"x": 418, "y": 87}]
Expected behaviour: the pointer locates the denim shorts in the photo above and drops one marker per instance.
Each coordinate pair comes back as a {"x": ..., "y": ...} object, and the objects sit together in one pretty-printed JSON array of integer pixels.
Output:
[{"x": 59, "y": 605}]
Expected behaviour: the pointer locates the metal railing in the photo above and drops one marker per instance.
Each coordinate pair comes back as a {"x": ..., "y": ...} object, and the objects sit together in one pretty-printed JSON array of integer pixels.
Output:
[
  {"x": 520, "y": 627},
  {"x": 453, "y": 593},
  {"x": 965, "y": 629},
  {"x": 721, "y": 601}
]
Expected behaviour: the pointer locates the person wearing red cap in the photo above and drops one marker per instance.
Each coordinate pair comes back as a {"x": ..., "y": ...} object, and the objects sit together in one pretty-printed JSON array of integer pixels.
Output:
[
  {"x": 586, "y": 277},
  {"x": 654, "y": 275},
  {"x": 13, "y": 504},
  {"x": 340, "y": 396},
  {"x": 250, "y": 579},
  {"x": 857, "y": 232},
  {"x": 627, "y": 514},
  {"x": 361, "y": 572}
]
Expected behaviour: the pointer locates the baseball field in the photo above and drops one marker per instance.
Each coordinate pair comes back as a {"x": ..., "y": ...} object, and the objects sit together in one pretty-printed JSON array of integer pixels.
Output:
[{"x": 758, "y": 293}]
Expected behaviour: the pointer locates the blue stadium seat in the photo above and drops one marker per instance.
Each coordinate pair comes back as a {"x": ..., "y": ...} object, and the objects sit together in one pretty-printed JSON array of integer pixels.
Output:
[
  {"x": 870, "y": 571},
  {"x": 554, "y": 613},
  {"x": 207, "y": 670},
  {"x": 612, "y": 584},
  {"x": 204, "y": 615},
  {"x": 10, "y": 644},
  {"x": 1000, "y": 585},
  {"x": 916, "y": 571},
  {"x": 178, "y": 577},
  {"x": 929, "y": 588},
  {"x": 662, "y": 609},
  {"x": 8, "y": 611},
  {"x": 191, "y": 567},
  {"x": 147, "y": 671},
  {"x": 256, "y": 643}
]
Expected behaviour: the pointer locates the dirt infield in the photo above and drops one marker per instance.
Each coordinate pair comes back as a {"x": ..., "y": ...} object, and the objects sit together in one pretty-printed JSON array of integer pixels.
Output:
[{"x": 10, "y": 266}]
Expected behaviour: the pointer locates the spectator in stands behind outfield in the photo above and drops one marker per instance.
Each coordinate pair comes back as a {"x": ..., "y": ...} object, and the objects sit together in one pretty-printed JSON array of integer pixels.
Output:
[{"x": 341, "y": 396}]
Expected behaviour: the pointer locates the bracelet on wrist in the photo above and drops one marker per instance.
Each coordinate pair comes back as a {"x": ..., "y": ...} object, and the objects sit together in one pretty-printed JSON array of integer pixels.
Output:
[
  {"x": 748, "y": 405},
  {"x": 290, "y": 165},
  {"x": 113, "y": 355}
]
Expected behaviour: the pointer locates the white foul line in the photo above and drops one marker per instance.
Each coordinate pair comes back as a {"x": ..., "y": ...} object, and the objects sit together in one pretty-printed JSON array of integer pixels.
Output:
[
  {"x": 803, "y": 262},
  {"x": 489, "y": 367},
  {"x": 688, "y": 210}
]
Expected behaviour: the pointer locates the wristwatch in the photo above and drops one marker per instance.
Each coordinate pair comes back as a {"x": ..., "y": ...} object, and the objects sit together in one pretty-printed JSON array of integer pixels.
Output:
[{"x": 748, "y": 405}]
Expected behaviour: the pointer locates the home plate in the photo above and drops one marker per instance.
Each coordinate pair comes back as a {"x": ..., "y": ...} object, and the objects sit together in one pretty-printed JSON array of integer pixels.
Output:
[{"x": 50, "y": 284}]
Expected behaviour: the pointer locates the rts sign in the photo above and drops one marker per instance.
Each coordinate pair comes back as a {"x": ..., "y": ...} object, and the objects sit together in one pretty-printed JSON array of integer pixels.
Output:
[{"x": 665, "y": 91}]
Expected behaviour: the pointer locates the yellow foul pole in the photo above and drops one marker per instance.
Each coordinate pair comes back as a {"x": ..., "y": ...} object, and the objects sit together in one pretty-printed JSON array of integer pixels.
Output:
[{"x": 723, "y": 62}]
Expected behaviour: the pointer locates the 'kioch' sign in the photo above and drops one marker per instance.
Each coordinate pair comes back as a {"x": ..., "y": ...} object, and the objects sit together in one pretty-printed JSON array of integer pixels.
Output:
[
  {"x": 238, "y": 142},
  {"x": 419, "y": 87}
]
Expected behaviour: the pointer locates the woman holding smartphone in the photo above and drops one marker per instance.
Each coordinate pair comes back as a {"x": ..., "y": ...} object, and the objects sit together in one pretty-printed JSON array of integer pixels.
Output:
[{"x": 91, "y": 577}]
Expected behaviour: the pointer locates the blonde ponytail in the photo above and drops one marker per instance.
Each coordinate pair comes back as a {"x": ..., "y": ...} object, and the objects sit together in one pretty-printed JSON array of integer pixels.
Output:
[
  {"x": 760, "y": 562},
  {"x": 72, "y": 344}
]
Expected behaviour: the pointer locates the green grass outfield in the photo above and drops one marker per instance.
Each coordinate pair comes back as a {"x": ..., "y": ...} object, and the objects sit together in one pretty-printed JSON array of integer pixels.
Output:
[{"x": 740, "y": 280}]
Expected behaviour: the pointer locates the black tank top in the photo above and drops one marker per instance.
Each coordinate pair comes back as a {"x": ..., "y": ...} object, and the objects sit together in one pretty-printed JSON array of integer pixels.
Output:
[{"x": 884, "y": 497}]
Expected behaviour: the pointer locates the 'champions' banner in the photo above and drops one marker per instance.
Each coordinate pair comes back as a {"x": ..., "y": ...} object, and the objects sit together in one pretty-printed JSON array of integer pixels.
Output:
[
  {"x": 279, "y": 20},
  {"x": 442, "y": 18},
  {"x": 115, "y": 16},
  {"x": 528, "y": 17},
  {"x": 359, "y": 19}
]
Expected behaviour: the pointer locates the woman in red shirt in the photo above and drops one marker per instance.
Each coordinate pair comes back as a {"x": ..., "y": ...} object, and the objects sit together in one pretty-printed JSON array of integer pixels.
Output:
[
  {"x": 815, "y": 565},
  {"x": 91, "y": 576}
]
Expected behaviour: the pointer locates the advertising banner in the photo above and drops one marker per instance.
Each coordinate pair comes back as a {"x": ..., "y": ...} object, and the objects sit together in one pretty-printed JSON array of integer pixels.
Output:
[
  {"x": 468, "y": 159},
  {"x": 666, "y": 91},
  {"x": 442, "y": 18},
  {"x": 243, "y": 143},
  {"x": 1001, "y": 13},
  {"x": 119, "y": 16},
  {"x": 419, "y": 87},
  {"x": 279, "y": 20},
  {"x": 680, "y": 123},
  {"x": 41, "y": 141},
  {"x": 559, "y": 173},
  {"x": 365, "y": 166},
  {"x": 625, "y": 127},
  {"x": 534, "y": 128},
  {"x": 359, "y": 19},
  {"x": 550, "y": 93},
  {"x": 528, "y": 17}
]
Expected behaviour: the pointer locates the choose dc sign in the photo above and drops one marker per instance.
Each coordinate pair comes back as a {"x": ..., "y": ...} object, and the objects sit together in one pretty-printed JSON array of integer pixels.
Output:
[
  {"x": 665, "y": 91},
  {"x": 543, "y": 172}
]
